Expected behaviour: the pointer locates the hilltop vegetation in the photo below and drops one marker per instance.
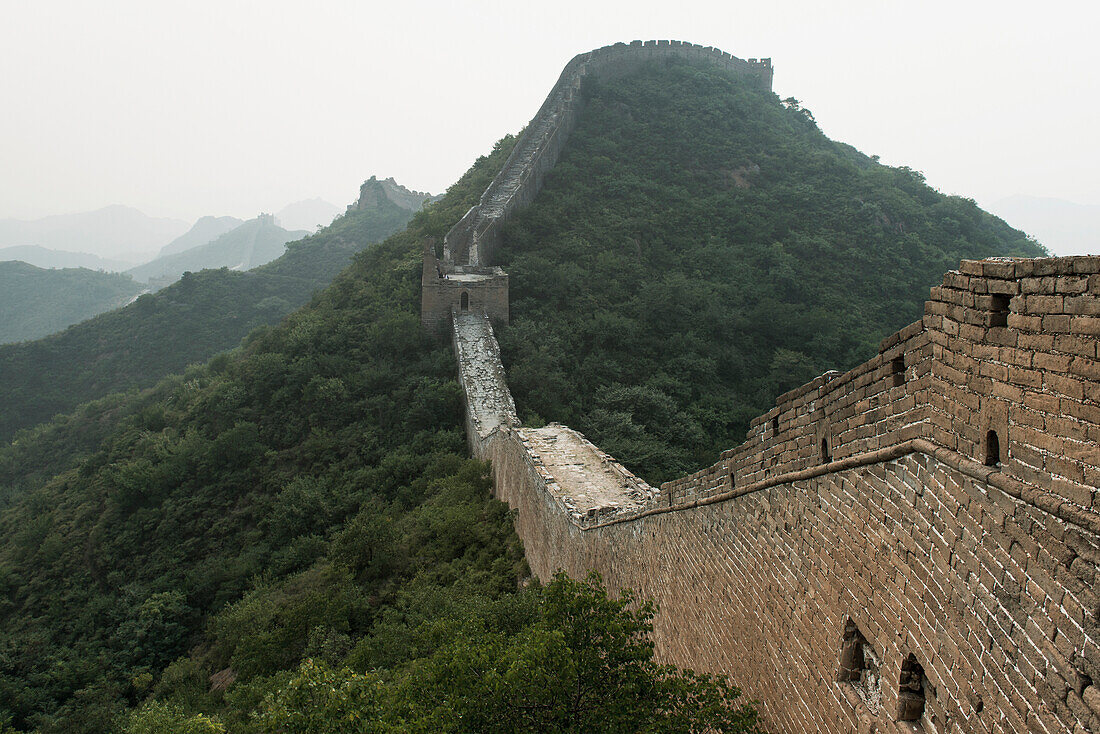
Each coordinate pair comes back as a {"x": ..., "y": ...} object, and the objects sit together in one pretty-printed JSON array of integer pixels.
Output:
[
  {"x": 700, "y": 248},
  {"x": 204, "y": 313},
  {"x": 35, "y": 301}
]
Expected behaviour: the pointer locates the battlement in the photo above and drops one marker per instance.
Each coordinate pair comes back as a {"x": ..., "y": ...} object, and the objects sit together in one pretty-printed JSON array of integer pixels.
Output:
[{"x": 1003, "y": 371}]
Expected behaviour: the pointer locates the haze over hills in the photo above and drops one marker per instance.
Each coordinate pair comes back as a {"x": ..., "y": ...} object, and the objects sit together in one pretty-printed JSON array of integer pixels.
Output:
[
  {"x": 115, "y": 232},
  {"x": 307, "y": 215},
  {"x": 42, "y": 257},
  {"x": 204, "y": 230},
  {"x": 244, "y": 247},
  {"x": 698, "y": 248},
  {"x": 188, "y": 321},
  {"x": 1064, "y": 227},
  {"x": 35, "y": 302}
]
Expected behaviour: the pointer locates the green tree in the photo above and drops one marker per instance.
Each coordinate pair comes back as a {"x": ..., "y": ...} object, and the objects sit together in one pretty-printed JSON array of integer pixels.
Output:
[
  {"x": 157, "y": 717},
  {"x": 320, "y": 700},
  {"x": 584, "y": 663}
]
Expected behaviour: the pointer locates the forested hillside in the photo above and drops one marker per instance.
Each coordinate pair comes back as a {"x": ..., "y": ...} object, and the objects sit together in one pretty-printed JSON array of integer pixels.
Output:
[
  {"x": 289, "y": 538},
  {"x": 204, "y": 313},
  {"x": 35, "y": 302},
  {"x": 305, "y": 498},
  {"x": 287, "y": 498},
  {"x": 701, "y": 247}
]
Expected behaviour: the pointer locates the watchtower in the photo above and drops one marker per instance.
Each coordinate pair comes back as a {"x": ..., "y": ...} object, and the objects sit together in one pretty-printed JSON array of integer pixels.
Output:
[{"x": 446, "y": 287}]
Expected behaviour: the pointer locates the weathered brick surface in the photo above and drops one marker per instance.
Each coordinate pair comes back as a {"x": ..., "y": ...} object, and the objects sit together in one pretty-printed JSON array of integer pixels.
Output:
[{"x": 867, "y": 501}]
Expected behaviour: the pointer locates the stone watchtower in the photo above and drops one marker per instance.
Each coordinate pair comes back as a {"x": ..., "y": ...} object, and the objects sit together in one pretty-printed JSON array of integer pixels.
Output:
[{"x": 447, "y": 287}]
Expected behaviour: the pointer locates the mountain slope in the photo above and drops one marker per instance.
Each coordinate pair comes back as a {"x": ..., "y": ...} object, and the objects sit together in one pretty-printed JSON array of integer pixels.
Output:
[
  {"x": 204, "y": 230},
  {"x": 304, "y": 495},
  {"x": 700, "y": 248},
  {"x": 118, "y": 232},
  {"x": 249, "y": 245},
  {"x": 189, "y": 321},
  {"x": 35, "y": 302}
]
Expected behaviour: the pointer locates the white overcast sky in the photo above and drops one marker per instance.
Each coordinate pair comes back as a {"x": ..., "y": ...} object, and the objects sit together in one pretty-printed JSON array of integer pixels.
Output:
[{"x": 232, "y": 107}]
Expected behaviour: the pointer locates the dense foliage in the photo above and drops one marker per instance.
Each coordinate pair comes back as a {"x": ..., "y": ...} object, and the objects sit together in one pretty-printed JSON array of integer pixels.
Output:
[
  {"x": 288, "y": 538},
  {"x": 304, "y": 496},
  {"x": 36, "y": 301},
  {"x": 190, "y": 321},
  {"x": 701, "y": 247},
  {"x": 564, "y": 658}
]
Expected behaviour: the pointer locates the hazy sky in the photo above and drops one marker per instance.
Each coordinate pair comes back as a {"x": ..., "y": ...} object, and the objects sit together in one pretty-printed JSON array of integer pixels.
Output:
[{"x": 231, "y": 107}]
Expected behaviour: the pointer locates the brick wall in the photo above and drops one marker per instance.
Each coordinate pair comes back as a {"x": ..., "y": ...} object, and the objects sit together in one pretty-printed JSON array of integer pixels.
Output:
[{"x": 864, "y": 512}]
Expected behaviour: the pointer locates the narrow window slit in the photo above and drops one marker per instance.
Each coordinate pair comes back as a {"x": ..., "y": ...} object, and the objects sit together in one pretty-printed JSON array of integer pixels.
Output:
[
  {"x": 825, "y": 456},
  {"x": 992, "y": 449},
  {"x": 911, "y": 693},
  {"x": 999, "y": 315},
  {"x": 897, "y": 369}
]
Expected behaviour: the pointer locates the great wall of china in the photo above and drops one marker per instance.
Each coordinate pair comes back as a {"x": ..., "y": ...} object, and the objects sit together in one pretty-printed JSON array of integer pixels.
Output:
[{"x": 912, "y": 545}]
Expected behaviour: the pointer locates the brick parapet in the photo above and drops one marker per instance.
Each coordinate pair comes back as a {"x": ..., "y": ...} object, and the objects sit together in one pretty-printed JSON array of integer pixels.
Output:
[{"x": 951, "y": 378}]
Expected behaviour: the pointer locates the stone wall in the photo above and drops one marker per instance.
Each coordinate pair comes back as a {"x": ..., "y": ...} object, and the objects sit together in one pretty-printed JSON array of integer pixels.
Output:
[
  {"x": 865, "y": 513},
  {"x": 474, "y": 240}
]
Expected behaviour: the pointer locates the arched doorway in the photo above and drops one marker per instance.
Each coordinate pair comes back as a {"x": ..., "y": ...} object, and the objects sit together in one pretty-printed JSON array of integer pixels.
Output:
[{"x": 464, "y": 302}]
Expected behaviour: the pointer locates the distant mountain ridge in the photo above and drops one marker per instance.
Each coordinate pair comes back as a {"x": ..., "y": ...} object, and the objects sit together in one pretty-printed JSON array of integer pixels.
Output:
[
  {"x": 188, "y": 321},
  {"x": 35, "y": 301},
  {"x": 249, "y": 245},
  {"x": 204, "y": 230},
  {"x": 44, "y": 257},
  {"x": 374, "y": 189},
  {"x": 116, "y": 231}
]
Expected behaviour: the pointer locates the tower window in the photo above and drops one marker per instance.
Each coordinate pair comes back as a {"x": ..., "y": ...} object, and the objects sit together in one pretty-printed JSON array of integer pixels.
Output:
[
  {"x": 775, "y": 425},
  {"x": 999, "y": 307},
  {"x": 825, "y": 456},
  {"x": 911, "y": 691},
  {"x": 992, "y": 449},
  {"x": 897, "y": 369}
]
